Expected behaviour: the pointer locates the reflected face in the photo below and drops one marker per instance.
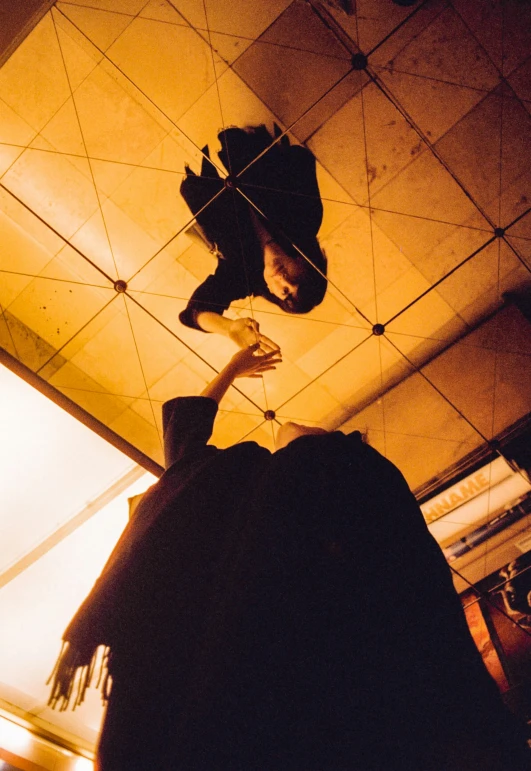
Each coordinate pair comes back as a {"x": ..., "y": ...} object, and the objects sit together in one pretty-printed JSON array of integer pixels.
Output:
[
  {"x": 282, "y": 274},
  {"x": 290, "y": 431}
]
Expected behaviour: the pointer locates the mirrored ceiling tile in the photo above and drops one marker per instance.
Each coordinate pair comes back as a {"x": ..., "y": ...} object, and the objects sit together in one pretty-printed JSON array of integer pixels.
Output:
[
  {"x": 411, "y": 24},
  {"x": 71, "y": 381},
  {"x": 141, "y": 432},
  {"x": 432, "y": 246},
  {"x": 488, "y": 385},
  {"x": 8, "y": 156},
  {"x": 520, "y": 81},
  {"x": 27, "y": 243},
  {"x": 114, "y": 125},
  {"x": 56, "y": 308},
  {"x": 416, "y": 427},
  {"x": 128, "y": 7},
  {"x": 300, "y": 69},
  {"x": 375, "y": 138},
  {"x": 229, "y": 17},
  {"x": 231, "y": 428},
  {"x": 115, "y": 242},
  {"x": 521, "y": 247},
  {"x": 105, "y": 350},
  {"x": 63, "y": 132},
  {"x": 377, "y": 19},
  {"x": 340, "y": 340},
  {"x": 79, "y": 54},
  {"x": 473, "y": 292},
  {"x": 432, "y": 192},
  {"x": 53, "y": 187},
  {"x": 447, "y": 51},
  {"x": 229, "y": 102},
  {"x": 179, "y": 50},
  {"x": 432, "y": 104},
  {"x": 362, "y": 374},
  {"x": 502, "y": 28},
  {"x": 312, "y": 405},
  {"x": 101, "y": 26},
  {"x": 37, "y": 63},
  {"x": 14, "y": 129}
]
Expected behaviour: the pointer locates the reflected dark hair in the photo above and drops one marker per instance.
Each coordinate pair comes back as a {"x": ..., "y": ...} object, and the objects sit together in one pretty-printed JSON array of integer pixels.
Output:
[{"x": 313, "y": 285}]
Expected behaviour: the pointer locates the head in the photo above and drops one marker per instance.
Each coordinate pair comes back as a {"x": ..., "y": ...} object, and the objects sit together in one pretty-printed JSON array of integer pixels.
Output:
[
  {"x": 290, "y": 431},
  {"x": 292, "y": 281}
]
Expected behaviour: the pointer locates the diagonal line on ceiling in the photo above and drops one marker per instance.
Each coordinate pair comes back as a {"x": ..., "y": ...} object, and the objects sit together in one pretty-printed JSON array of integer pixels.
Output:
[
  {"x": 164, "y": 326},
  {"x": 385, "y": 91},
  {"x": 3, "y": 312},
  {"x": 139, "y": 357},
  {"x": 96, "y": 191},
  {"x": 315, "y": 379},
  {"x": 478, "y": 41},
  {"x": 293, "y": 317},
  {"x": 286, "y": 131},
  {"x": 440, "y": 280},
  {"x": 517, "y": 219},
  {"x": 53, "y": 278},
  {"x": 130, "y": 165},
  {"x": 355, "y": 205},
  {"x": 174, "y": 236},
  {"x": 419, "y": 371},
  {"x": 337, "y": 289},
  {"x": 214, "y": 68},
  {"x": 139, "y": 90},
  {"x": 517, "y": 255},
  {"x": 56, "y": 232},
  {"x": 73, "y": 337},
  {"x": 444, "y": 81}
]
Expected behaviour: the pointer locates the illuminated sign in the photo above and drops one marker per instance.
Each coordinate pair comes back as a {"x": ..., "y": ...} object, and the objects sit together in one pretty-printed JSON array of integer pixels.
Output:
[{"x": 466, "y": 490}]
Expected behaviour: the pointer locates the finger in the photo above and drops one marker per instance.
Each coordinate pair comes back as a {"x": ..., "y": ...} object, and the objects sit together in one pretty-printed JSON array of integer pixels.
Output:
[
  {"x": 254, "y": 376},
  {"x": 268, "y": 351},
  {"x": 265, "y": 369},
  {"x": 270, "y": 343}
]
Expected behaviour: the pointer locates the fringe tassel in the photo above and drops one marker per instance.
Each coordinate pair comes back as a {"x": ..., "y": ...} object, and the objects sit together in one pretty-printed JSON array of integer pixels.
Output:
[{"x": 72, "y": 675}]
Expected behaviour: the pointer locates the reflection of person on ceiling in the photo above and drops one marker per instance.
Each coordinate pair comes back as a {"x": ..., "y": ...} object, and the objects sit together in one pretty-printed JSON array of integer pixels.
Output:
[{"x": 257, "y": 249}]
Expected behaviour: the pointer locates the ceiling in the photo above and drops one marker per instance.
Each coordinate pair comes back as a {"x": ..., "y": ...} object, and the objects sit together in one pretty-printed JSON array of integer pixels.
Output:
[
  {"x": 423, "y": 168},
  {"x": 421, "y": 156}
]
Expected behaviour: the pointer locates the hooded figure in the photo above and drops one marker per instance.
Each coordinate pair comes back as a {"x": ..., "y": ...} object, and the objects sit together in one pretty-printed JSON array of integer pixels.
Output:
[{"x": 283, "y": 612}]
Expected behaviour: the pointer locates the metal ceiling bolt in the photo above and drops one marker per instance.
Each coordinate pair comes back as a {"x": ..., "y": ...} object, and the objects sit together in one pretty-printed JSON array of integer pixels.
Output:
[
  {"x": 120, "y": 286},
  {"x": 378, "y": 329},
  {"x": 270, "y": 414},
  {"x": 359, "y": 61},
  {"x": 499, "y": 232}
]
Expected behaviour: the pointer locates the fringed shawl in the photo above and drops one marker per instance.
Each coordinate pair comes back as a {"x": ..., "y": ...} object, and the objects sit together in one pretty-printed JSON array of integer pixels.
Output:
[{"x": 183, "y": 509}]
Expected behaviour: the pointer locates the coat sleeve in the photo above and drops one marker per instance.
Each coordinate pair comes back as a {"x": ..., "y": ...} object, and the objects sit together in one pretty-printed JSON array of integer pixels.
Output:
[
  {"x": 216, "y": 293},
  {"x": 187, "y": 422}
]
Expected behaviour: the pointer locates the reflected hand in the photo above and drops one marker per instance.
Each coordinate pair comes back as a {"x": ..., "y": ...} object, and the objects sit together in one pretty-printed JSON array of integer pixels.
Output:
[
  {"x": 246, "y": 332},
  {"x": 249, "y": 362}
]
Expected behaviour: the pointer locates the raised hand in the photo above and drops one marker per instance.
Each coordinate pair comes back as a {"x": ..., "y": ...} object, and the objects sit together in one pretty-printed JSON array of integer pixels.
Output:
[
  {"x": 246, "y": 332},
  {"x": 250, "y": 362}
]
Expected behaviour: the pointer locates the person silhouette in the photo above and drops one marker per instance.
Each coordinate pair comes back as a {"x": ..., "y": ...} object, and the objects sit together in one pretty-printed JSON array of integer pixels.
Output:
[
  {"x": 262, "y": 224},
  {"x": 281, "y": 611}
]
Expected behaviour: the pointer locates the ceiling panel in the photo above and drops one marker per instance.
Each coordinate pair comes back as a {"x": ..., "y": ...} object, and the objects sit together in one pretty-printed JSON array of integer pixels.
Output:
[{"x": 422, "y": 163}]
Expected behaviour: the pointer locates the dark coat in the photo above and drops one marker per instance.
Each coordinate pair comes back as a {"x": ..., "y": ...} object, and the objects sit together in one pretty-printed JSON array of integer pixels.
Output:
[
  {"x": 283, "y": 186},
  {"x": 287, "y": 612}
]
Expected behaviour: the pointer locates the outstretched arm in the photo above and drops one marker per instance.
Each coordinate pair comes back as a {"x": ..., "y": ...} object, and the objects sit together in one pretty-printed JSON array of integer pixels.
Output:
[
  {"x": 248, "y": 362},
  {"x": 243, "y": 332}
]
